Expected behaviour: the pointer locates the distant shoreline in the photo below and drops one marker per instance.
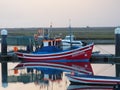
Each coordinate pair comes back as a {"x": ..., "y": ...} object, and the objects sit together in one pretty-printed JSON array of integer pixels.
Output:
[{"x": 99, "y": 35}]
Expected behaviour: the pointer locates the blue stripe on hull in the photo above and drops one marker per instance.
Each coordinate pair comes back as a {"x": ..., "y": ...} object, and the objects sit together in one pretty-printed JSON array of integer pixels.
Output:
[{"x": 65, "y": 61}]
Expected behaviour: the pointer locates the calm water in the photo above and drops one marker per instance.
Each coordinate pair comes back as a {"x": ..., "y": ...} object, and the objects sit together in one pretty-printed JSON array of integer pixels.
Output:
[{"x": 64, "y": 84}]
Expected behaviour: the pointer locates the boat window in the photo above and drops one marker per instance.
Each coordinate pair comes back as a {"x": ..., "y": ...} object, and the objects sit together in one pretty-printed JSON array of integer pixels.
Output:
[{"x": 68, "y": 37}]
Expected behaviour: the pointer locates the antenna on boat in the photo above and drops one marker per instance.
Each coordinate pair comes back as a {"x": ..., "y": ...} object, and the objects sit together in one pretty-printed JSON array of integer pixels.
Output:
[
  {"x": 50, "y": 30},
  {"x": 70, "y": 33},
  {"x": 50, "y": 24}
]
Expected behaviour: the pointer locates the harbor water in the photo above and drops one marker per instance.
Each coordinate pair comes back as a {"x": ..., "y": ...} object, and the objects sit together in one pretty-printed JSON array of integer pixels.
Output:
[{"x": 64, "y": 84}]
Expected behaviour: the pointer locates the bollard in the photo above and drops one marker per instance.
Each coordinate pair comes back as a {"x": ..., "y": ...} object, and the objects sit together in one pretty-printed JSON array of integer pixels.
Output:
[
  {"x": 117, "y": 49},
  {"x": 3, "y": 55}
]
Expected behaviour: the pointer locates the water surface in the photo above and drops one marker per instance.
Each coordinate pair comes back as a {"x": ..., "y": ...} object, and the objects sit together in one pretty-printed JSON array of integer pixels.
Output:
[{"x": 64, "y": 84}]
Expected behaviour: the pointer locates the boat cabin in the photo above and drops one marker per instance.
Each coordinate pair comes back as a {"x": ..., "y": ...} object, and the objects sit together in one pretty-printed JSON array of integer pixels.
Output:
[
  {"x": 55, "y": 42},
  {"x": 71, "y": 40}
]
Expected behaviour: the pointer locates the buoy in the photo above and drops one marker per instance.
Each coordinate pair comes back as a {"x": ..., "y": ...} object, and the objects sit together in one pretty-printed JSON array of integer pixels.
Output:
[
  {"x": 15, "y": 71},
  {"x": 15, "y": 49}
]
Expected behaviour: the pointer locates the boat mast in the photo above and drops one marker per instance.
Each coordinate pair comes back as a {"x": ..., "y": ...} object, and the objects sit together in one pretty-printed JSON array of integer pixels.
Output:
[{"x": 50, "y": 30}]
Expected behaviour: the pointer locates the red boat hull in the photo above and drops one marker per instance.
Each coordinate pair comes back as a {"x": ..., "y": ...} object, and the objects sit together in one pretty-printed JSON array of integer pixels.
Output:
[
  {"x": 75, "y": 54},
  {"x": 76, "y": 60}
]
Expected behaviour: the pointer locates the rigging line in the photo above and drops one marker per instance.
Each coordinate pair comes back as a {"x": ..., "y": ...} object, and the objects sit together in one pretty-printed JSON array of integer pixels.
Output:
[
  {"x": 104, "y": 51},
  {"x": 105, "y": 68}
]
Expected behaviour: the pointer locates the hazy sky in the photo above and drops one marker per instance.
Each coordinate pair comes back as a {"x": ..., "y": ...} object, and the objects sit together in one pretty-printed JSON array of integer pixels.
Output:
[{"x": 40, "y": 13}]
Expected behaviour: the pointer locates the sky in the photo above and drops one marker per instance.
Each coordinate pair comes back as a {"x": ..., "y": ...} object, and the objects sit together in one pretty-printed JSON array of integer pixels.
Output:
[{"x": 42, "y": 13}]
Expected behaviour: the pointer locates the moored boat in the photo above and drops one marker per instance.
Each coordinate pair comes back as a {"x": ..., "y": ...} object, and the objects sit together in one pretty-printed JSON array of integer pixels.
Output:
[
  {"x": 50, "y": 55},
  {"x": 53, "y": 53},
  {"x": 93, "y": 80}
]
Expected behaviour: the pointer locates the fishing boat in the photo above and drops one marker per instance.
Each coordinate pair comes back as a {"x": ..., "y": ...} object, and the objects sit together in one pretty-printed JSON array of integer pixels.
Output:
[
  {"x": 51, "y": 56},
  {"x": 52, "y": 52}
]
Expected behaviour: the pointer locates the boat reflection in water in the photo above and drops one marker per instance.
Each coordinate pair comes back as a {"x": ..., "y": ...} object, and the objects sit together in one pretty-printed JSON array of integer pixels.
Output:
[
  {"x": 49, "y": 81},
  {"x": 40, "y": 80}
]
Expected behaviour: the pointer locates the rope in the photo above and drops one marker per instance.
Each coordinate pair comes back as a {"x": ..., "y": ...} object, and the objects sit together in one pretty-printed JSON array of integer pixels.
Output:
[
  {"x": 105, "y": 68},
  {"x": 103, "y": 50}
]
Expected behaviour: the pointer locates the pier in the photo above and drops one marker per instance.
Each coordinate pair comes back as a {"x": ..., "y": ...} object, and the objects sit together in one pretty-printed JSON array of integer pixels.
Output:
[{"x": 96, "y": 58}]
